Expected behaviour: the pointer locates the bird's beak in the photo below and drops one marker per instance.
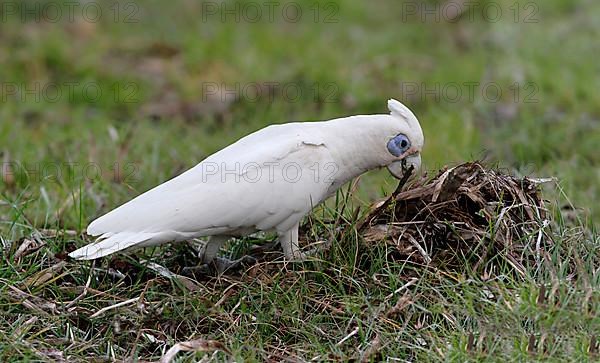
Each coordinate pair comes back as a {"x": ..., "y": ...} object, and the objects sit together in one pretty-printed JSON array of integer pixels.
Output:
[{"x": 398, "y": 168}]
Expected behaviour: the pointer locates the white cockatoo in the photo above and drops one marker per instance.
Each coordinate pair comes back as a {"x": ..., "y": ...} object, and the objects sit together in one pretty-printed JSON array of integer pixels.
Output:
[{"x": 266, "y": 181}]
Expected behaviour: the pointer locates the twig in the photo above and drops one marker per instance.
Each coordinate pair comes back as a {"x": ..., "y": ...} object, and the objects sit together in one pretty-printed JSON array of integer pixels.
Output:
[{"x": 365, "y": 222}]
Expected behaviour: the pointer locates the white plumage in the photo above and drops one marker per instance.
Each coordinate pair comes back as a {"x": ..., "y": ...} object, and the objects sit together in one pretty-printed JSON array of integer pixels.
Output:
[{"x": 266, "y": 181}]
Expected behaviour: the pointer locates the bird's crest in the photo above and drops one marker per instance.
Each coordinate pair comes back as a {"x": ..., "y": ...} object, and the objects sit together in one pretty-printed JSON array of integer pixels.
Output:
[{"x": 399, "y": 110}]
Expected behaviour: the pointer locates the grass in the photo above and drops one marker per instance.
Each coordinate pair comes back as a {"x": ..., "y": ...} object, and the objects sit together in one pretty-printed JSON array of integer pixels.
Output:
[{"x": 68, "y": 159}]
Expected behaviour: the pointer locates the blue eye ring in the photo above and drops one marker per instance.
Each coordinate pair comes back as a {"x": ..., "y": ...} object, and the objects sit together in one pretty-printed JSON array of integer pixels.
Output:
[{"x": 398, "y": 145}]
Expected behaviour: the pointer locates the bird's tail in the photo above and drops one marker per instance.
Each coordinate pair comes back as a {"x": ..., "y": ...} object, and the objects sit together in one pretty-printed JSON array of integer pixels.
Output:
[{"x": 110, "y": 243}]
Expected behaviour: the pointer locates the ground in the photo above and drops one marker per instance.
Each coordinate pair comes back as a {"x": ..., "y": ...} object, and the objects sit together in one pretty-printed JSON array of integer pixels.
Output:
[{"x": 102, "y": 101}]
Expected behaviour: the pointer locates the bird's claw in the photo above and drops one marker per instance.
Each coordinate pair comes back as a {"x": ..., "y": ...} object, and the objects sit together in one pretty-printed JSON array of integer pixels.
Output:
[
  {"x": 320, "y": 247},
  {"x": 224, "y": 264},
  {"x": 220, "y": 265},
  {"x": 200, "y": 270}
]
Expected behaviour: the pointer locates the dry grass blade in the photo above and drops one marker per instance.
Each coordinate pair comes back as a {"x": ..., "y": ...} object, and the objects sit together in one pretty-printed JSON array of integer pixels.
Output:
[
  {"x": 350, "y": 335},
  {"x": 198, "y": 345},
  {"x": 33, "y": 303},
  {"x": 44, "y": 276},
  {"x": 115, "y": 306},
  {"x": 27, "y": 246}
]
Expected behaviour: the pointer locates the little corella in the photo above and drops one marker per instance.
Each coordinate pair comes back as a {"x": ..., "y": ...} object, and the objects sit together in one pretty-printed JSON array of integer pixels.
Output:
[{"x": 266, "y": 181}]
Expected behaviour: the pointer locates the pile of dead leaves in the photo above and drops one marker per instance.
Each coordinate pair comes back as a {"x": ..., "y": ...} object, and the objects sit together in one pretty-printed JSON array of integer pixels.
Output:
[{"x": 468, "y": 216}]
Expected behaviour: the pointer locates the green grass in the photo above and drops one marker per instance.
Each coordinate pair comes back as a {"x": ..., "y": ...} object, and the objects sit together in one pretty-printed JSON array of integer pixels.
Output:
[{"x": 72, "y": 159}]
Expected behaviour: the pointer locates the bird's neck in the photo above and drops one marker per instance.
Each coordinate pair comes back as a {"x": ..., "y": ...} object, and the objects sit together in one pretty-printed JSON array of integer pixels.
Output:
[{"x": 354, "y": 145}]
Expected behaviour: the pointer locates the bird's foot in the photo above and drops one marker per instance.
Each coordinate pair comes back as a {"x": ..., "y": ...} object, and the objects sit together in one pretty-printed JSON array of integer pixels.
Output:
[
  {"x": 321, "y": 246},
  {"x": 223, "y": 265},
  {"x": 220, "y": 265},
  {"x": 200, "y": 270}
]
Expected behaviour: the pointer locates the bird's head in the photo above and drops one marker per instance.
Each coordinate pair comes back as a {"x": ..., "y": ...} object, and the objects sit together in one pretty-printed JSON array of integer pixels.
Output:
[{"x": 404, "y": 140}]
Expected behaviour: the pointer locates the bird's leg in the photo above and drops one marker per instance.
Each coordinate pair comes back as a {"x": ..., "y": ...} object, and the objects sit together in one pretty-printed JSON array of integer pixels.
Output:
[
  {"x": 289, "y": 243},
  {"x": 211, "y": 249},
  {"x": 207, "y": 255}
]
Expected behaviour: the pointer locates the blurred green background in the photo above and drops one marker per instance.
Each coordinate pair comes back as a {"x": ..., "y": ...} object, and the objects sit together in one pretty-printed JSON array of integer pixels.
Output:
[{"x": 101, "y": 101}]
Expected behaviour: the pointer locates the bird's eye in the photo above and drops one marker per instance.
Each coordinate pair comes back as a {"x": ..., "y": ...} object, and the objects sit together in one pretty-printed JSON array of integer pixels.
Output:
[{"x": 398, "y": 145}]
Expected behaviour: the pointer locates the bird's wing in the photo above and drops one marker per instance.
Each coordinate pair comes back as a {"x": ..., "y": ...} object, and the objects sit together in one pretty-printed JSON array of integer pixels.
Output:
[{"x": 252, "y": 184}]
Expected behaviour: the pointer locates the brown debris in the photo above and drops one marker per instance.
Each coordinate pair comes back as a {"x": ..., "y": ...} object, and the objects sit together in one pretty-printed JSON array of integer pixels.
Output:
[
  {"x": 198, "y": 345},
  {"x": 466, "y": 213}
]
